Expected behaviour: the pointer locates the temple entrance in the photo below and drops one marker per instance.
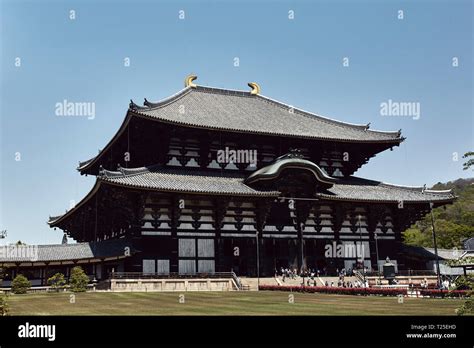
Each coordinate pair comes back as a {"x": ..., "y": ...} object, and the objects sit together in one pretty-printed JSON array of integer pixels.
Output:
[{"x": 196, "y": 256}]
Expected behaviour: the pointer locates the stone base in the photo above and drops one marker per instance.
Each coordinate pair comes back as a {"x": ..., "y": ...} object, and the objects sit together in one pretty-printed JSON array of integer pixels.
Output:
[{"x": 146, "y": 285}]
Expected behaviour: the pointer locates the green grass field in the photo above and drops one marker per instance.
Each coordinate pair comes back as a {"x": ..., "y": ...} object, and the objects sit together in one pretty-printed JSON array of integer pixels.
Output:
[{"x": 224, "y": 303}]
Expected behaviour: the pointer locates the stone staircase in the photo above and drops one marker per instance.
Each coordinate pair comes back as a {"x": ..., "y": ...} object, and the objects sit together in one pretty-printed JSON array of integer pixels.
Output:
[{"x": 251, "y": 284}]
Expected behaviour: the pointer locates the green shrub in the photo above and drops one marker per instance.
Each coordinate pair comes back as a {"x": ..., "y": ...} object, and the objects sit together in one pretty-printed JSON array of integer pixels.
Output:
[
  {"x": 20, "y": 285},
  {"x": 3, "y": 306},
  {"x": 464, "y": 282},
  {"x": 57, "y": 281},
  {"x": 78, "y": 280},
  {"x": 467, "y": 306}
]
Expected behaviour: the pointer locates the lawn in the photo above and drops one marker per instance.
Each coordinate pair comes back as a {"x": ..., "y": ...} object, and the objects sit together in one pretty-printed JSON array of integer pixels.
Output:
[{"x": 223, "y": 303}]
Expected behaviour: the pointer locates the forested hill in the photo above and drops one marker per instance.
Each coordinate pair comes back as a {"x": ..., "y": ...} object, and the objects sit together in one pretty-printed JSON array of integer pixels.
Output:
[{"x": 453, "y": 223}]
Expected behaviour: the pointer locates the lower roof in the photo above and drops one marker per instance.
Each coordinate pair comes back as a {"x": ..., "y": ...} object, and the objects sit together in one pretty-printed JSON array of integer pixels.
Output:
[
  {"x": 443, "y": 254},
  {"x": 66, "y": 252},
  {"x": 164, "y": 179},
  {"x": 188, "y": 181}
]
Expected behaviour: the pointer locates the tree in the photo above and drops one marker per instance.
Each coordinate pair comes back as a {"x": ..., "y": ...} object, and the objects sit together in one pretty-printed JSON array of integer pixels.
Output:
[
  {"x": 454, "y": 223},
  {"x": 57, "y": 281},
  {"x": 415, "y": 237},
  {"x": 78, "y": 280},
  {"x": 20, "y": 285},
  {"x": 470, "y": 162}
]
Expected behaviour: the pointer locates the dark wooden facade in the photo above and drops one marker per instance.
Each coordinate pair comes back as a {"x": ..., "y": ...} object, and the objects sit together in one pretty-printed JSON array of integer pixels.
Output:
[{"x": 289, "y": 220}]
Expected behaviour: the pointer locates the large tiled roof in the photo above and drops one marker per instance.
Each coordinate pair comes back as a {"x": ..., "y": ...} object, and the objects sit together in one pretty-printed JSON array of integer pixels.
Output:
[
  {"x": 240, "y": 111},
  {"x": 235, "y": 111},
  {"x": 352, "y": 188},
  {"x": 66, "y": 252}
]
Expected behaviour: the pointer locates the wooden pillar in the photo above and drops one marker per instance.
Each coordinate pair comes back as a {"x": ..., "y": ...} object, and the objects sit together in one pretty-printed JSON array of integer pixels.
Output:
[
  {"x": 262, "y": 211},
  {"x": 303, "y": 209},
  {"x": 175, "y": 215},
  {"x": 372, "y": 220},
  {"x": 45, "y": 274},
  {"x": 220, "y": 209},
  {"x": 338, "y": 214},
  {"x": 402, "y": 217}
]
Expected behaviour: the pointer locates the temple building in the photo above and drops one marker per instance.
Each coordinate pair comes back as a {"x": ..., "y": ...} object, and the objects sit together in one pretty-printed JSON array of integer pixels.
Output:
[{"x": 217, "y": 180}]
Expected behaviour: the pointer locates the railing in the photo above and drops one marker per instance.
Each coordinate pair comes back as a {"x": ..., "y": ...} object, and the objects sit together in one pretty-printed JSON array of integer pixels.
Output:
[
  {"x": 359, "y": 276},
  {"x": 237, "y": 281},
  {"x": 409, "y": 273},
  {"x": 416, "y": 272},
  {"x": 173, "y": 275}
]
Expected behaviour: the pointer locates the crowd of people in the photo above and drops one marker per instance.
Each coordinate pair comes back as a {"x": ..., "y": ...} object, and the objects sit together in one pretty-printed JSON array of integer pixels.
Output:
[
  {"x": 310, "y": 275},
  {"x": 446, "y": 284},
  {"x": 311, "y": 272}
]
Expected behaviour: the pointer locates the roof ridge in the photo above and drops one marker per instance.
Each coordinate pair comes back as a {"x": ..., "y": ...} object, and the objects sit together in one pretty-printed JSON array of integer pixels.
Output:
[
  {"x": 386, "y": 184},
  {"x": 439, "y": 191},
  {"x": 411, "y": 188},
  {"x": 122, "y": 172},
  {"x": 163, "y": 102},
  {"x": 240, "y": 92},
  {"x": 421, "y": 189},
  {"x": 59, "y": 244}
]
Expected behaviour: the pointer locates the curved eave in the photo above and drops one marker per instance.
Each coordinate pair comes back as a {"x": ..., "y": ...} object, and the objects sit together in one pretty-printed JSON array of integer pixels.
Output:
[
  {"x": 437, "y": 201},
  {"x": 59, "y": 219},
  {"x": 109, "y": 181},
  {"x": 86, "y": 165},
  {"x": 274, "y": 170}
]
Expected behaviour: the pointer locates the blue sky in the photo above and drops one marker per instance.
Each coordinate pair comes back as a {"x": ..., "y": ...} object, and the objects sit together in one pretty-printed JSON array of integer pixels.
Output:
[{"x": 296, "y": 61}]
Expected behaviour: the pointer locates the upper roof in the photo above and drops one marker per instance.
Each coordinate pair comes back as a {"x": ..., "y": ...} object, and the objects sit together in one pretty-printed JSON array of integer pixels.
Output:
[
  {"x": 242, "y": 111},
  {"x": 236, "y": 111}
]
